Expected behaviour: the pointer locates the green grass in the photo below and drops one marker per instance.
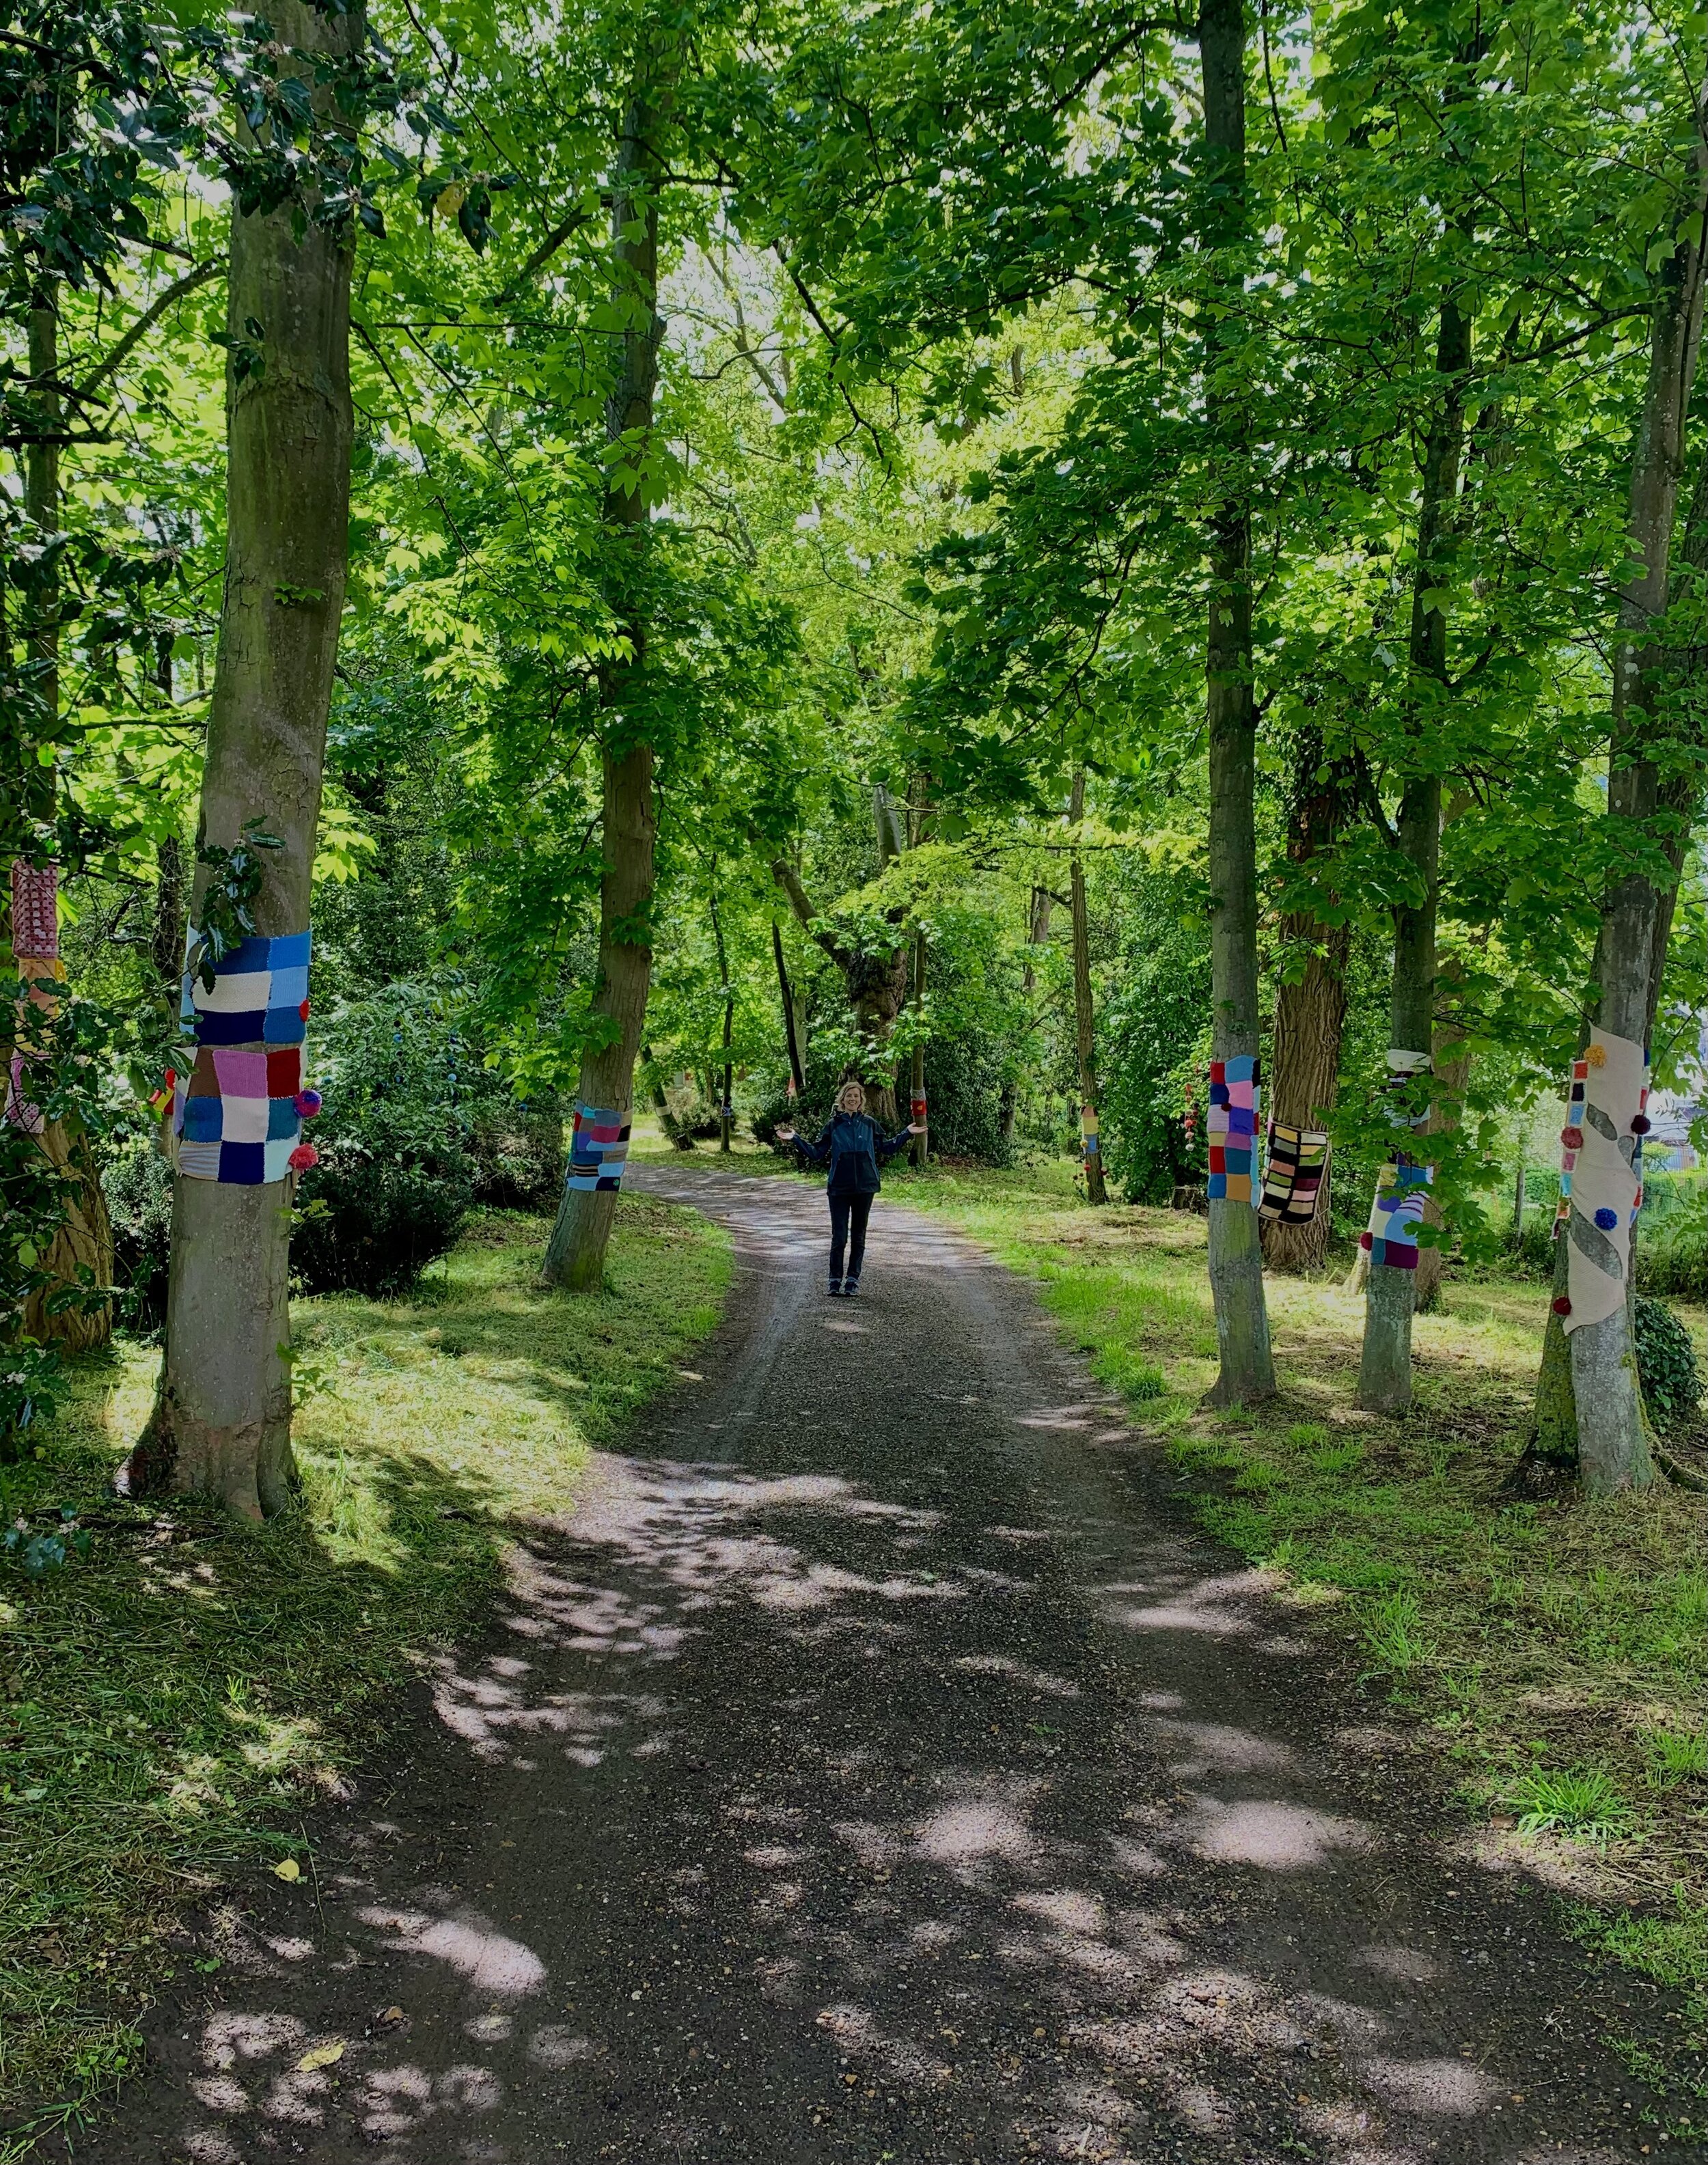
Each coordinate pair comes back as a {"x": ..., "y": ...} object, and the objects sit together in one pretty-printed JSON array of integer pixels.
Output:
[
  {"x": 1555, "y": 1649},
  {"x": 170, "y": 1705}
]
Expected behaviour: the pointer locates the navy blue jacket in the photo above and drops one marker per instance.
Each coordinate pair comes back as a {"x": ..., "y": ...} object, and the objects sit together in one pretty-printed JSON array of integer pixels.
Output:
[{"x": 853, "y": 1148}]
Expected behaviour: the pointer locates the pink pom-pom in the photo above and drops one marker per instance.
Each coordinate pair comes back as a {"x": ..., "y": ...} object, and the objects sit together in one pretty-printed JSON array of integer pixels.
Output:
[
  {"x": 308, "y": 1102},
  {"x": 303, "y": 1157}
]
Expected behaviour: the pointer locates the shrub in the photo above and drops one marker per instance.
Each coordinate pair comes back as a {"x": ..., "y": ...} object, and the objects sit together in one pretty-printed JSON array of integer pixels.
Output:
[
  {"x": 518, "y": 1151},
  {"x": 396, "y": 1179},
  {"x": 1666, "y": 1365}
]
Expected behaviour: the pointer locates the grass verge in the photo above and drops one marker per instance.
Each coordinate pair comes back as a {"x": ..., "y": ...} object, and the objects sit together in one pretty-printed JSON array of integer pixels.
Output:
[{"x": 171, "y": 1701}]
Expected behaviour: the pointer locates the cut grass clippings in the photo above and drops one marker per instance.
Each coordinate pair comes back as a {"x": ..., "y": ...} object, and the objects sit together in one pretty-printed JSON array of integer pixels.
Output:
[{"x": 171, "y": 1703}]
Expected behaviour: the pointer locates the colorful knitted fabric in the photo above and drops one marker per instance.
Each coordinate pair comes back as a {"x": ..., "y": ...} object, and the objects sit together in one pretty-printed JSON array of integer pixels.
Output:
[
  {"x": 1292, "y": 1180},
  {"x": 1391, "y": 1237},
  {"x": 260, "y": 994},
  {"x": 599, "y": 1148},
  {"x": 1601, "y": 1174},
  {"x": 1088, "y": 1130},
  {"x": 35, "y": 912},
  {"x": 236, "y": 1116},
  {"x": 1235, "y": 1088}
]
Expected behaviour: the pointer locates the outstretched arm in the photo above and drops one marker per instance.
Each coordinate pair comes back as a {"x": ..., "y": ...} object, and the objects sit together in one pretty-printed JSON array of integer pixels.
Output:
[
  {"x": 887, "y": 1145},
  {"x": 818, "y": 1151}
]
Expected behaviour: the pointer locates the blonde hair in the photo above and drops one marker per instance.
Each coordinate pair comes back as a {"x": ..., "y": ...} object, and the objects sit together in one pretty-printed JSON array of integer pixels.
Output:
[{"x": 851, "y": 1084}]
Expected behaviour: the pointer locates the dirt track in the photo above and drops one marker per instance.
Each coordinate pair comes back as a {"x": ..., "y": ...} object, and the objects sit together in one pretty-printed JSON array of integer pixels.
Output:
[{"x": 874, "y": 1768}]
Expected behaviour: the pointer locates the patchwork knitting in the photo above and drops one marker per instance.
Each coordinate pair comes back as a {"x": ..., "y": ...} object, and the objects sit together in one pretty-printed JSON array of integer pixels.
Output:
[
  {"x": 599, "y": 1148},
  {"x": 1292, "y": 1180},
  {"x": 1601, "y": 1175},
  {"x": 1395, "y": 1212},
  {"x": 260, "y": 993},
  {"x": 35, "y": 911},
  {"x": 1235, "y": 1089},
  {"x": 237, "y": 1116}
]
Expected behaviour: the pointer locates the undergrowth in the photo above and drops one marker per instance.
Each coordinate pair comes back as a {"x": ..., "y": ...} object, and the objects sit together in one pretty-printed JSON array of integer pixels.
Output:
[{"x": 171, "y": 1701}]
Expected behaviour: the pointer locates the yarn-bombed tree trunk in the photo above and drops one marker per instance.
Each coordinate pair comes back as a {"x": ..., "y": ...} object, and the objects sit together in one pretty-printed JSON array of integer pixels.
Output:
[
  {"x": 1248, "y": 1370},
  {"x": 575, "y": 1255},
  {"x": 82, "y": 1253},
  {"x": 1384, "y": 1367},
  {"x": 1613, "y": 1450},
  {"x": 222, "y": 1419}
]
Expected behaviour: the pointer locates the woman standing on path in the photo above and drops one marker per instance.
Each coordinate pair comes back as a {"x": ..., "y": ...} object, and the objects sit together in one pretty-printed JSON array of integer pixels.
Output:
[{"x": 852, "y": 1147}]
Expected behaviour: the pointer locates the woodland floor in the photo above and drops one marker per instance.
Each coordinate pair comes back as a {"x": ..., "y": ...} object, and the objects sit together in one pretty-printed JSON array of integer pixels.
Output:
[{"x": 877, "y": 1763}]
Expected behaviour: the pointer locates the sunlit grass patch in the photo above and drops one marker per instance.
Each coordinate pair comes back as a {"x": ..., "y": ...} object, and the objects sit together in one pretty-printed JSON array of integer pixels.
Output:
[{"x": 168, "y": 1706}]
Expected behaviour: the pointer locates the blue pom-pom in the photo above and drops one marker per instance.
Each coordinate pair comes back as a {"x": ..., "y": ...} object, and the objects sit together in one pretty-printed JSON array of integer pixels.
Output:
[{"x": 1607, "y": 1220}]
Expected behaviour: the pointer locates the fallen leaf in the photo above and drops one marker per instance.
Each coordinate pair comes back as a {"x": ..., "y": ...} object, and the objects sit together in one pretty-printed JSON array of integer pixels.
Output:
[
  {"x": 288, "y": 1869},
  {"x": 392, "y": 2015},
  {"x": 322, "y": 2056}
]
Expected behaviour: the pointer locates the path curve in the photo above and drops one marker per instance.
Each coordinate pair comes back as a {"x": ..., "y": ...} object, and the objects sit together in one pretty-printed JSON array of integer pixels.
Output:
[{"x": 875, "y": 1768}]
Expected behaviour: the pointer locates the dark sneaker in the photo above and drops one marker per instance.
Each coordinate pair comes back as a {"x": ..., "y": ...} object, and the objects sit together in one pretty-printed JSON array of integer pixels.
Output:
[
  {"x": 849, "y": 1287},
  {"x": 835, "y": 1288}
]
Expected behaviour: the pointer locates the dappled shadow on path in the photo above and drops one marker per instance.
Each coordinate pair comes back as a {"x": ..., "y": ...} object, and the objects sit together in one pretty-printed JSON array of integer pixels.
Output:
[{"x": 867, "y": 1771}]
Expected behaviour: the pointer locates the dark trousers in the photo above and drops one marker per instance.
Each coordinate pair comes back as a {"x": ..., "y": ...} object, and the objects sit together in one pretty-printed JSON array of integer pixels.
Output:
[{"x": 848, "y": 1217}]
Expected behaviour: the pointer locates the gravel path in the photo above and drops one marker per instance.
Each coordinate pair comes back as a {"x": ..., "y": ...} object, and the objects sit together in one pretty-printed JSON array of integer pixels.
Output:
[{"x": 875, "y": 1768}]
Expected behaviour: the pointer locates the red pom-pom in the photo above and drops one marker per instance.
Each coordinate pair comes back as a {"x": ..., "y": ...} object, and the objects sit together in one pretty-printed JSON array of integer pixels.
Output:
[
  {"x": 1639, "y": 1125},
  {"x": 1365, "y": 1239},
  {"x": 1563, "y": 1306},
  {"x": 303, "y": 1157},
  {"x": 1573, "y": 1138}
]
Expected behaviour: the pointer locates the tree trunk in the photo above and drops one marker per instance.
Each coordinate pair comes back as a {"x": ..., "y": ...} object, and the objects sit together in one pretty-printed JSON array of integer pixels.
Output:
[
  {"x": 1310, "y": 1015},
  {"x": 222, "y": 1420},
  {"x": 1385, "y": 1369},
  {"x": 1613, "y": 1451},
  {"x": 1084, "y": 1018},
  {"x": 726, "y": 1112},
  {"x": 785, "y": 991},
  {"x": 575, "y": 1255},
  {"x": 1248, "y": 1370},
  {"x": 916, "y": 1097},
  {"x": 1037, "y": 932},
  {"x": 83, "y": 1243}
]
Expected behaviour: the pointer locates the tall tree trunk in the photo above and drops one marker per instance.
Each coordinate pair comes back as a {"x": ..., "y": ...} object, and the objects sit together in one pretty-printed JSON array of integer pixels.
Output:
[
  {"x": 1384, "y": 1369},
  {"x": 82, "y": 1253},
  {"x": 1613, "y": 1451},
  {"x": 222, "y": 1420},
  {"x": 921, "y": 1151},
  {"x": 1247, "y": 1369},
  {"x": 575, "y": 1255},
  {"x": 791, "y": 1026},
  {"x": 725, "y": 1111},
  {"x": 1084, "y": 1017},
  {"x": 1310, "y": 1013}
]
